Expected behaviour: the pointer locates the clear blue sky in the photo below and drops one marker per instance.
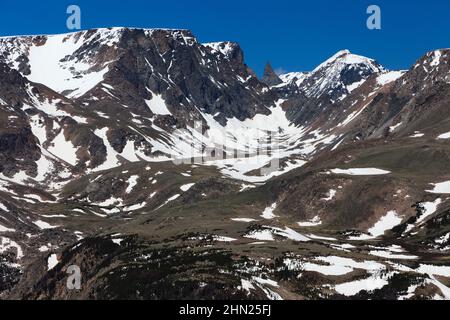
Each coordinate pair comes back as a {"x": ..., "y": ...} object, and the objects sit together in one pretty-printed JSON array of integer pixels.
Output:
[{"x": 293, "y": 35}]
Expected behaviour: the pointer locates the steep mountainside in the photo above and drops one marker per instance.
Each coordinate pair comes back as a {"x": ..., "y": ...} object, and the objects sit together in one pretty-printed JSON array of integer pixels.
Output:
[{"x": 164, "y": 168}]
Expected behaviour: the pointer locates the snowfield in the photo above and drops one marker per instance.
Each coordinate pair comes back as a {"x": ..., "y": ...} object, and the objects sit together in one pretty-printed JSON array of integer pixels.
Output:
[
  {"x": 442, "y": 187},
  {"x": 387, "y": 222},
  {"x": 376, "y": 281},
  {"x": 52, "y": 261},
  {"x": 360, "y": 171},
  {"x": 444, "y": 136},
  {"x": 312, "y": 223},
  {"x": 157, "y": 105},
  {"x": 268, "y": 212},
  {"x": 389, "y": 77},
  {"x": 187, "y": 186},
  {"x": 49, "y": 67}
]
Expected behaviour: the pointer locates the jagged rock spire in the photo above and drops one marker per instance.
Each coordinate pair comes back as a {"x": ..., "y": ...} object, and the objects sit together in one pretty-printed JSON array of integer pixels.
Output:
[{"x": 270, "y": 77}]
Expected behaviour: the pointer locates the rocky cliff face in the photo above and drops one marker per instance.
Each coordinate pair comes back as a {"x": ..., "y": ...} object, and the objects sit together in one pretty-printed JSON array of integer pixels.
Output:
[
  {"x": 149, "y": 79},
  {"x": 417, "y": 102},
  {"x": 139, "y": 64},
  {"x": 328, "y": 85},
  {"x": 270, "y": 78}
]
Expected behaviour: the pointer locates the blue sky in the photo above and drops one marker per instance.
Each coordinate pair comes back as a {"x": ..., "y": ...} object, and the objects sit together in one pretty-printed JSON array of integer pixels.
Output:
[{"x": 293, "y": 35}]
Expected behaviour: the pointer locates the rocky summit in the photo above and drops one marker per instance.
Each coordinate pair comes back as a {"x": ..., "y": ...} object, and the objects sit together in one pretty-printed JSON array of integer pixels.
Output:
[{"x": 159, "y": 167}]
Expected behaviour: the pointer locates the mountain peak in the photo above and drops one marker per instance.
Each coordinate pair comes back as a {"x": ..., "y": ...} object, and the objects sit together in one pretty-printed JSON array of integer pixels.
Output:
[
  {"x": 342, "y": 53},
  {"x": 345, "y": 57},
  {"x": 270, "y": 78}
]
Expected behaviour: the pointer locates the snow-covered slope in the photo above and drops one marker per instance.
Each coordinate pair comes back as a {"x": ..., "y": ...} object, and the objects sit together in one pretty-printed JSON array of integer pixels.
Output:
[
  {"x": 134, "y": 95},
  {"x": 141, "y": 95},
  {"x": 65, "y": 62},
  {"x": 342, "y": 73},
  {"x": 297, "y": 77}
]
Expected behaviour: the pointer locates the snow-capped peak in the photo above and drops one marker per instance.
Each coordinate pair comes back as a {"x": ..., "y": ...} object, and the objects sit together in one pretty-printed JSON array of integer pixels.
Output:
[
  {"x": 436, "y": 57},
  {"x": 340, "y": 74},
  {"x": 345, "y": 57}
]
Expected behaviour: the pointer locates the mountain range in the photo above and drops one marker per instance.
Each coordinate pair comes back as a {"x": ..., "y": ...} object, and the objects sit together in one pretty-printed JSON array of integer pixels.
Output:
[{"x": 166, "y": 169}]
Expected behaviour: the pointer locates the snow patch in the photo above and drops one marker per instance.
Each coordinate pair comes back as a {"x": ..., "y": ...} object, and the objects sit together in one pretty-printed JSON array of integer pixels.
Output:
[
  {"x": 243, "y": 219},
  {"x": 132, "y": 182},
  {"x": 312, "y": 223},
  {"x": 268, "y": 212},
  {"x": 186, "y": 187},
  {"x": 389, "y": 77},
  {"x": 444, "y": 136},
  {"x": 442, "y": 187},
  {"x": 43, "y": 225},
  {"x": 52, "y": 261},
  {"x": 157, "y": 105},
  {"x": 360, "y": 171}
]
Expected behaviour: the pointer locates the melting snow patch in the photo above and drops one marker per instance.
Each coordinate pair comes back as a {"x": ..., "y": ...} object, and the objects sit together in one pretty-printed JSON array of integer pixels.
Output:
[
  {"x": 289, "y": 233},
  {"x": 186, "y": 187},
  {"x": 343, "y": 247},
  {"x": 429, "y": 209},
  {"x": 330, "y": 195},
  {"x": 390, "y": 255},
  {"x": 157, "y": 105},
  {"x": 4, "y": 229},
  {"x": 444, "y": 239},
  {"x": 52, "y": 261},
  {"x": 349, "y": 289},
  {"x": 271, "y": 295},
  {"x": 172, "y": 198},
  {"x": 117, "y": 241},
  {"x": 394, "y": 127},
  {"x": 388, "y": 77},
  {"x": 434, "y": 270},
  {"x": 442, "y": 187},
  {"x": 268, "y": 212},
  {"x": 266, "y": 282},
  {"x": 312, "y": 223},
  {"x": 417, "y": 135},
  {"x": 316, "y": 237},
  {"x": 38, "y": 128},
  {"x": 389, "y": 221},
  {"x": 243, "y": 219},
  {"x": 50, "y": 65},
  {"x": 6, "y": 244},
  {"x": 43, "y": 248},
  {"x": 111, "y": 159},
  {"x": 132, "y": 182},
  {"x": 264, "y": 235},
  {"x": 246, "y": 285},
  {"x": 338, "y": 266},
  {"x": 436, "y": 58},
  {"x": 64, "y": 149},
  {"x": 246, "y": 187},
  {"x": 444, "y": 136},
  {"x": 43, "y": 225},
  {"x": 136, "y": 206},
  {"x": 3, "y": 207},
  {"x": 223, "y": 239},
  {"x": 360, "y": 171}
]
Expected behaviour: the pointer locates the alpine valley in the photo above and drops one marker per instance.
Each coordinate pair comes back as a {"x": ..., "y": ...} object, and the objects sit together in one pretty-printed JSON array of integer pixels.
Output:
[{"x": 146, "y": 158}]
